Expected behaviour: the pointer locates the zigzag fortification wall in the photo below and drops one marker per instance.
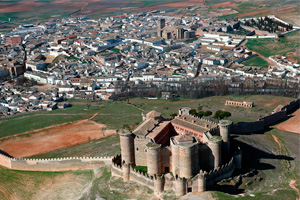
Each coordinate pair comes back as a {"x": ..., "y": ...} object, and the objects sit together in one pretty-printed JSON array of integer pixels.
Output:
[
  {"x": 54, "y": 164},
  {"x": 265, "y": 122}
]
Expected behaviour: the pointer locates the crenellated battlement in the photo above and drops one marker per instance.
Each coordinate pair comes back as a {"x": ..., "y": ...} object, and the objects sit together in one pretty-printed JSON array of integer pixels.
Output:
[{"x": 53, "y": 164}]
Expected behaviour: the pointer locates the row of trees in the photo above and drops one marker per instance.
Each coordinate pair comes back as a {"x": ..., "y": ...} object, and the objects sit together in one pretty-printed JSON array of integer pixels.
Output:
[
  {"x": 218, "y": 114},
  {"x": 218, "y": 87},
  {"x": 268, "y": 24}
]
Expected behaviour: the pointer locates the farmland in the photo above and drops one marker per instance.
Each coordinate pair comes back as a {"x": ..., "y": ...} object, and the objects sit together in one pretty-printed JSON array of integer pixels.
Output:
[
  {"x": 21, "y": 10},
  {"x": 286, "y": 46}
]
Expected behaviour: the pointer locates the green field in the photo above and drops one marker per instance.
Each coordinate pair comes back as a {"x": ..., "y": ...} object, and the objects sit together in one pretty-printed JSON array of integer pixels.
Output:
[
  {"x": 273, "y": 46},
  {"x": 31, "y": 121},
  {"x": 119, "y": 113},
  {"x": 256, "y": 62}
]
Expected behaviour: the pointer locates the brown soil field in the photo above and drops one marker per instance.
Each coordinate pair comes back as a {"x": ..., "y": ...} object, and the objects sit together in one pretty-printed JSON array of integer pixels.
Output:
[
  {"x": 26, "y": 5},
  {"x": 86, "y": 6},
  {"x": 253, "y": 13},
  {"x": 292, "y": 124},
  {"x": 222, "y": 4},
  {"x": 49, "y": 139}
]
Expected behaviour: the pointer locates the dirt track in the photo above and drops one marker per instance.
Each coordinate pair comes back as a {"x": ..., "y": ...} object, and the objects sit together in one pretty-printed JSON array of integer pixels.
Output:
[
  {"x": 292, "y": 124},
  {"x": 52, "y": 138}
]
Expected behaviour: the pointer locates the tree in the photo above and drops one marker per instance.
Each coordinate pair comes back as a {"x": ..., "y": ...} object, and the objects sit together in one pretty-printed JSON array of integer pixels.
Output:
[
  {"x": 173, "y": 115},
  {"x": 200, "y": 108},
  {"x": 218, "y": 114},
  {"x": 126, "y": 126},
  {"x": 200, "y": 114},
  {"x": 221, "y": 114},
  {"x": 207, "y": 113},
  {"x": 226, "y": 114},
  {"x": 193, "y": 112}
]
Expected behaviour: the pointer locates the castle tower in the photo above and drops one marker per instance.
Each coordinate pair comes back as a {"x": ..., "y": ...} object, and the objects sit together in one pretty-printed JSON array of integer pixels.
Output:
[
  {"x": 179, "y": 186},
  {"x": 127, "y": 146},
  {"x": 185, "y": 155},
  {"x": 225, "y": 134},
  {"x": 186, "y": 161},
  {"x": 175, "y": 167},
  {"x": 201, "y": 182},
  {"x": 215, "y": 145},
  {"x": 158, "y": 183},
  {"x": 153, "y": 158},
  {"x": 126, "y": 171}
]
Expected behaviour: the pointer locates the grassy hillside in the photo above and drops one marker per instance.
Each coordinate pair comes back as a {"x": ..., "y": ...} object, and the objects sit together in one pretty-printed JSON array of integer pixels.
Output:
[
  {"x": 120, "y": 113},
  {"x": 42, "y": 185},
  {"x": 256, "y": 62},
  {"x": 282, "y": 46},
  {"x": 272, "y": 160}
]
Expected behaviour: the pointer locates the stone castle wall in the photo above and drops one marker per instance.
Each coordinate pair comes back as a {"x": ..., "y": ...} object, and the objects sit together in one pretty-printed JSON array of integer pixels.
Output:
[
  {"x": 54, "y": 164},
  {"x": 198, "y": 183},
  {"x": 264, "y": 122},
  {"x": 247, "y": 127},
  {"x": 220, "y": 173},
  {"x": 292, "y": 106},
  {"x": 273, "y": 118},
  {"x": 134, "y": 175}
]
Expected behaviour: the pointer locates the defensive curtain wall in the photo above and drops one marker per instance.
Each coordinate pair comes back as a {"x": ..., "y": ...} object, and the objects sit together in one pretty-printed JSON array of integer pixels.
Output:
[
  {"x": 180, "y": 186},
  {"x": 264, "y": 122},
  {"x": 54, "y": 164}
]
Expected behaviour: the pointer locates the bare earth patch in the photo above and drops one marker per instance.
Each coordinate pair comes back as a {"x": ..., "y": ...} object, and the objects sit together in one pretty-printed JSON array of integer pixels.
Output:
[
  {"x": 292, "y": 124},
  {"x": 49, "y": 139},
  {"x": 293, "y": 184}
]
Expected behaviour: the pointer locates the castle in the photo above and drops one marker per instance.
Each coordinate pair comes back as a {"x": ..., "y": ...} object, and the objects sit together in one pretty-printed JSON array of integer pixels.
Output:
[{"x": 185, "y": 154}]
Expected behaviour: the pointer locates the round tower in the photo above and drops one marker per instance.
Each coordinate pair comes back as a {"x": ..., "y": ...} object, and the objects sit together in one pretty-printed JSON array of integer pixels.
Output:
[
  {"x": 186, "y": 160},
  {"x": 158, "y": 184},
  {"x": 153, "y": 158},
  {"x": 127, "y": 146},
  {"x": 175, "y": 159},
  {"x": 126, "y": 171},
  {"x": 225, "y": 134},
  {"x": 185, "y": 155},
  {"x": 179, "y": 186},
  {"x": 215, "y": 145}
]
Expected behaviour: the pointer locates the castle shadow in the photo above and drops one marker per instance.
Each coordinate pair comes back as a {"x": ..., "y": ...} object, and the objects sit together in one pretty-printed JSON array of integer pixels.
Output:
[
  {"x": 251, "y": 163},
  {"x": 5, "y": 153},
  {"x": 252, "y": 156}
]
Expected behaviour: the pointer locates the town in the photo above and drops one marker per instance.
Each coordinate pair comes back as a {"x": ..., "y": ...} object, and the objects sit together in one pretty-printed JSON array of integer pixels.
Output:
[{"x": 85, "y": 58}]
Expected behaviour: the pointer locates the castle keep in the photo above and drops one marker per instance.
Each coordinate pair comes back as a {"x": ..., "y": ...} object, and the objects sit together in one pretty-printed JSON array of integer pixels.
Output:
[{"x": 184, "y": 154}]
